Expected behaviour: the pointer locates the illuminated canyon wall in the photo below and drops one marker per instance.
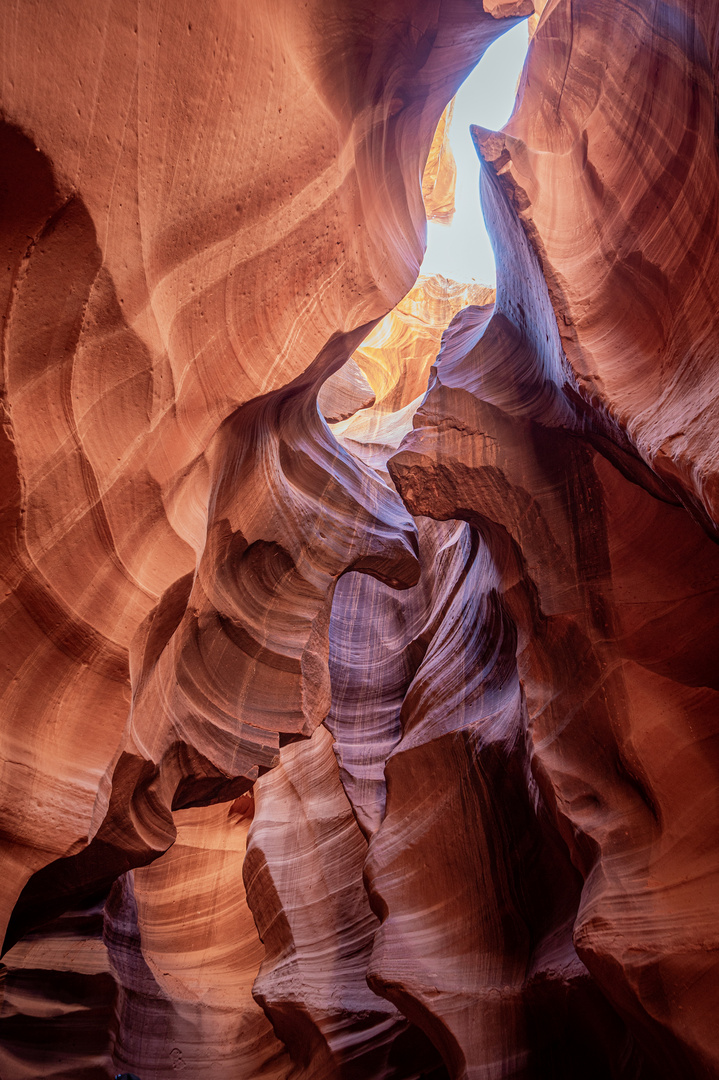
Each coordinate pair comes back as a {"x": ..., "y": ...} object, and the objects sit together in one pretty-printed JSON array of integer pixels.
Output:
[{"x": 359, "y": 716}]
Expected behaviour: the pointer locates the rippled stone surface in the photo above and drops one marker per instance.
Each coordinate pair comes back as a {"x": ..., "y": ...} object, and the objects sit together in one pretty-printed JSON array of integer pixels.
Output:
[
  {"x": 199, "y": 228},
  {"x": 547, "y": 428},
  {"x": 383, "y": 749},
  {"x": 205, "y": 209}
]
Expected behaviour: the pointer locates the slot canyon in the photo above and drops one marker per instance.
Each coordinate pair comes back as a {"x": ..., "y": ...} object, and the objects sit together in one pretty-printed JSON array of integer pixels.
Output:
[{"x": 359, "y": 670}]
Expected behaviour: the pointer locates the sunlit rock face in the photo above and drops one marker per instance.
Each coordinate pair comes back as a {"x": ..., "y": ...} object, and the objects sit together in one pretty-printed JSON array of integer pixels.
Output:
[
  {"x": 355, "y": 728},
  {"x": 575, "y": 431},
  {"x": 395, "y": 360},
  {"x": 439, "y": 178},
  {"x": 205, "y": 209}
]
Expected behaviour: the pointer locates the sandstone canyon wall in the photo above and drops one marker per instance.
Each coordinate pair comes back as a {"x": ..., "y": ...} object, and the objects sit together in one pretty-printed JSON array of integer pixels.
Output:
[{"x": 360, "y": 684}]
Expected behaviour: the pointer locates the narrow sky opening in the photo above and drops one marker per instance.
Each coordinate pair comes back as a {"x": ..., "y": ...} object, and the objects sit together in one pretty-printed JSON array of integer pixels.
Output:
[{"x": 462, "y": 250}]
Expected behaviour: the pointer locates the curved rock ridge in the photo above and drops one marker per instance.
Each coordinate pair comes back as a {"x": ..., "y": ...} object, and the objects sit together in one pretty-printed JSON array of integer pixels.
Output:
[
  {"x": 615, "y": 616},
  {"x": 157, "y": 979},
  {"x": 184, "y": 951},
  {"x": 205, "y": 211},
  {"x": 374, "y": 659},
  {"x": 396, "y": 358},
  {"x": 630, "y": 281},
  {"x": 475, "y": 889},
  {"x": 466, "y": 868},
  {"x": 303, "y": 874},
  {"x": 248, "y": 659},
  {"x": 326, "y": 757},
  {"x": 541, "y": 429}
]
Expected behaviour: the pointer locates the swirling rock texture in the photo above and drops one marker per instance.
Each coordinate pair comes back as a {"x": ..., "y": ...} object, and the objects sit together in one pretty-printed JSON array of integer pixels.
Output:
[
  {"x": 205, "y": 209},
  {"x": 574, "y": 431},
  {"x": 395, "y": 359},
  {"x": 467, "y": 737},
  {"x": 184, "y": 951},
  {"x": 303, "y": 873},
  {"x": 439, "y": 178}
]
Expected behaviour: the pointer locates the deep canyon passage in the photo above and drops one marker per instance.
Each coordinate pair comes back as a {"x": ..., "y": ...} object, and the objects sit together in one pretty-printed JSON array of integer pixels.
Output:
[{"x": 359, "y": 674}]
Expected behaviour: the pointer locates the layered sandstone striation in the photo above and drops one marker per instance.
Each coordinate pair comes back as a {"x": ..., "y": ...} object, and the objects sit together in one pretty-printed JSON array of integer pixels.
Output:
[
  {"x": 199, "y": 228},
  {"x": 355, "y": 728},
  {"x": 630, "y": 282},
  {"x": 573, "y": 431},
  {"x": 395, "y": 359},
  {"x": 184, "y": 952},
  {"x": 205, "y": 209}
]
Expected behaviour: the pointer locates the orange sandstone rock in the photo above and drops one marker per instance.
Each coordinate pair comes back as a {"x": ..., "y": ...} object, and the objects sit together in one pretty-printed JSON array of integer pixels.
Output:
[
  {"x": 548, "y": 429},
  {"x": 482, "y": 727},
  {"x": 439, "y": 178},
  {"x": 205, "y": 209},
  {"x": 184, "y": 949}
]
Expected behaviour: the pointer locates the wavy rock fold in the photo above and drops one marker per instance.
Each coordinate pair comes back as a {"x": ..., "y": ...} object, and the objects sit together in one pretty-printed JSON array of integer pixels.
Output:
[{"x": 359, "y": 686}]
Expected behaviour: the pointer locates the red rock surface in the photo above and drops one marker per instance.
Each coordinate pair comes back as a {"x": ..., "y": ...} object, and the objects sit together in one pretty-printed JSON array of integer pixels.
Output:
[
  {"x": 396, "y": 358},
  {"x": 204, "y": 209},
  {"x": 553, "y": 429},
  {"x": 184, "y": 950},
  {"x": 465, "y": 728}
]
